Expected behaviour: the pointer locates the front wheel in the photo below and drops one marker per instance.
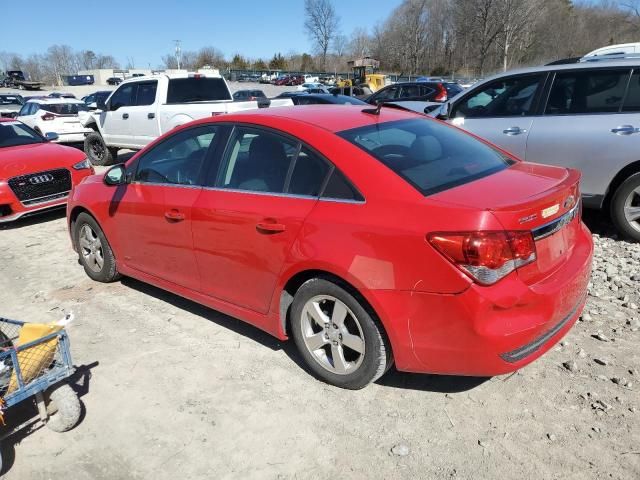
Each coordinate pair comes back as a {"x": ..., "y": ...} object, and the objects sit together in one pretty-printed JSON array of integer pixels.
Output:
[
  {"x": 96, "y": 150},
  {"x": 338, "y": 339},
  {"x": 63, "y": 408},
  {"x": 625, "y": 208},
  {"x": 94, "y": 250}
]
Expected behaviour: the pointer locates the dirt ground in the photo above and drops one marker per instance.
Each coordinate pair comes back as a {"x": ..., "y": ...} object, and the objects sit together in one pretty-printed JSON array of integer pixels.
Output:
[{"x": 172, "y": 390}]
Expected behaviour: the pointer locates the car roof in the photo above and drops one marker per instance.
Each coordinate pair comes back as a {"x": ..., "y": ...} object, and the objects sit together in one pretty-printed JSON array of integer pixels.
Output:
[
  {"x": 569, "y": 66},
  {"x": 334, "y": 118}
]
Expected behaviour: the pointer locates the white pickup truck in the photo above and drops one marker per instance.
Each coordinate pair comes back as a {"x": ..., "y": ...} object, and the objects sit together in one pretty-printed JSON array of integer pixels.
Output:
[{"x": 143, "y": 108}]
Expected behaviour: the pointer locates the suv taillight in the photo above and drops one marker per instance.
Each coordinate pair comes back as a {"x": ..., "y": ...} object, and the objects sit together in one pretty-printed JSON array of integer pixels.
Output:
[
  {"x": 486, "y": 256},
  {"x": 442, "y": 93},
  {"x": 48, "y": 116}
]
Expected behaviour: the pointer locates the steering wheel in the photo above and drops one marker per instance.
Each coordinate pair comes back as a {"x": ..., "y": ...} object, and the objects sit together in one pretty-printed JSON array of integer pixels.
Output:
[
  {"x": 149, "y": 172},
  {"x": 391, "y": 151}
]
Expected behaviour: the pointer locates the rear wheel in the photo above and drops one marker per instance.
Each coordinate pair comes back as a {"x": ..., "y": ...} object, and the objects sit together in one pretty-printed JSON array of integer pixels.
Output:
[
  {"x": 63, "y": 408},
  {"x": 95, "y": 253},
  {"x": 625, "y": 208},
  {"x": 338, "y": 339},
  {"x": 96, "y": 150}
]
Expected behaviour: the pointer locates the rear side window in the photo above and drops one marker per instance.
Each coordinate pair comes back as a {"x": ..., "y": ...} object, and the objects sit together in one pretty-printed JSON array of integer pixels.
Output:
[
  {"x": 339, "y": 188},
  {"x": 146, "y": 93},
  {"x": 589, "y": 91},
  {"x": 308, "y": 174},
  {"x": 430, "y": 156},
  {"x": 197, "y": 89},
  {"x": 632, "y": 100}
]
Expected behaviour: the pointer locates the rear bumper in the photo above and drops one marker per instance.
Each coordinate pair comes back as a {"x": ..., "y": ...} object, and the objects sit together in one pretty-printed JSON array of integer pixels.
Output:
[{"x": 486, "y": 331}]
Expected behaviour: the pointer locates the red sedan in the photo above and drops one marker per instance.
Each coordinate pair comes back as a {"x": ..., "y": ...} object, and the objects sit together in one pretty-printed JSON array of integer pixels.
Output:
[
  {"x": 369, "y": 236},
  {"x": 35, "y": 175}
]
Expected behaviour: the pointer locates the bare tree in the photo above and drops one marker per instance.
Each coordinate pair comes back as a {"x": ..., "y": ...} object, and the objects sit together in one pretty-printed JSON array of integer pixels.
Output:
[
  {"x": 321, "y": 24},
  {"x": 360, "y": 43}
]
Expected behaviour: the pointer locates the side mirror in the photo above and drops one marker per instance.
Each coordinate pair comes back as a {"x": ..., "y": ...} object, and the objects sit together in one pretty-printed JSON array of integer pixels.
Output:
[
  {"x": 116, "y": 175},
  {"x": 51, "y": 136},
  {"x": 443, "y": 114},
  {"x": 100, "y": 104}
]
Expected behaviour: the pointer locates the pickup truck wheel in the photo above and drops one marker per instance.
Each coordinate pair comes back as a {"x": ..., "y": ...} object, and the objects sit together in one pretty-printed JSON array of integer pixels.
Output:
[
  {"x": 96, "y": 150},
  {"x": 625, "y": 208}
]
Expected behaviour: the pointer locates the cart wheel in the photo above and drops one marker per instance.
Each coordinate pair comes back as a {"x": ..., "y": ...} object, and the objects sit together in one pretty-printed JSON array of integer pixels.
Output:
[{"x": 63, "y": 408}]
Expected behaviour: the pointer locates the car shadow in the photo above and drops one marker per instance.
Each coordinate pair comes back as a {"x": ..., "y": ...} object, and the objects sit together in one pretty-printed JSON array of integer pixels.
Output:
[
  {"x": 599, "y": 223},
  {"x": 55, "y": 213},
  {"x": 393, "y": 378},
  {"x": 25, "y": 420}
]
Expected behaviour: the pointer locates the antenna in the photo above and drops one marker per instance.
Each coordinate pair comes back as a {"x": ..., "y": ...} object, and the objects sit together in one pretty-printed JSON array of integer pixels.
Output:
[{"x": 178, "y": 52}]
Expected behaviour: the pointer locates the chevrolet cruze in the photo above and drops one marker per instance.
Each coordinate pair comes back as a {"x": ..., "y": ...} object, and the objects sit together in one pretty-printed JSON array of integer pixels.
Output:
[{"x": 369, "y": 235}]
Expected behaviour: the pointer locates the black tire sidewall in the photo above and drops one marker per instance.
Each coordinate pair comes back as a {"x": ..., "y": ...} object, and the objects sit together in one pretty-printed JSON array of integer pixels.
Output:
[
  {"x": 109, "y": 272},
  {"x": 369, "y": 370},
  {"x": 617, "y": 207},
  {"x": 95, "y": 137}
]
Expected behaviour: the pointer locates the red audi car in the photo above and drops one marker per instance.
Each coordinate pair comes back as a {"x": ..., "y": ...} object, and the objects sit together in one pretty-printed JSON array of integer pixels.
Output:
[
  {"x": 370, "y": 236},
  {"x": 35, "y": 175}
]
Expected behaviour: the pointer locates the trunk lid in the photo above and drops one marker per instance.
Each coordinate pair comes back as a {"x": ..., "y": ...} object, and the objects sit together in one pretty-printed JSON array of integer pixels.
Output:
[{"x": 527, "y": 196}]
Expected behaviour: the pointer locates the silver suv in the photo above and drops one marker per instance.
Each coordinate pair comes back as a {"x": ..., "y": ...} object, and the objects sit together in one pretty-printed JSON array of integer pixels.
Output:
[{"x": 580, "y": 115}]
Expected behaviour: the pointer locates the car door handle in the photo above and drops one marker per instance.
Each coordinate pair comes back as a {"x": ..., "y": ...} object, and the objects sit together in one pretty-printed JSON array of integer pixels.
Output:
[
  {"x": 268, "y": 227},
  {"x": 624, "y": 130},
  {"x": 151, "y": 115},
  {"x": 174, "y": 215},
  {"x": 514, "y": 131},
  {"x": 125, "y": 115}
]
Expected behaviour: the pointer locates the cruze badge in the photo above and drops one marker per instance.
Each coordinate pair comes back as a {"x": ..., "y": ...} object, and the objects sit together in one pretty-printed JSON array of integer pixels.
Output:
[
  {"x": 37, "y": 179},
  {"x": 547, "y": 212}
]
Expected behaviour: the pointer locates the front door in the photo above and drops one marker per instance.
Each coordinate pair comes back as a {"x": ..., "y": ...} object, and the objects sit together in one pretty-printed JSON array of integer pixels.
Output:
[
  {"x": 154, "y": 213},
  {"x": 245, "y": 224},
  {"x": 114, "y": 123},
  {"x": 501, "y": 111},
  {"x": 142, "y": 114}
]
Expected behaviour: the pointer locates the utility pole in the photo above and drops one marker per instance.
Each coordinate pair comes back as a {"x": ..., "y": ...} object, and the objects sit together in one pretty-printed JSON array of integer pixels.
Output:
[{"x": 178, "y": 52}]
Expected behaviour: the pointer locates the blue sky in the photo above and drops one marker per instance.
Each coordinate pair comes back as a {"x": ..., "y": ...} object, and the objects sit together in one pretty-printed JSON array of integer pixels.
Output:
[{"x": 145, "y": 29}]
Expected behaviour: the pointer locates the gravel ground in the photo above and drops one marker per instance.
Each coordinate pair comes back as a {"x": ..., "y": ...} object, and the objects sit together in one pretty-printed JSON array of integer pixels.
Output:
[{"x": 175, "y": 390}]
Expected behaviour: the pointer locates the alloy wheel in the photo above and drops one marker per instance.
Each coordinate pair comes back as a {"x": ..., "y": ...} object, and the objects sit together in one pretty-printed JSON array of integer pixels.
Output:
[
  {"x": 91, "y": 248},
  {"x": 632, "y": 209},
  {"x": 332, "y": 334}
]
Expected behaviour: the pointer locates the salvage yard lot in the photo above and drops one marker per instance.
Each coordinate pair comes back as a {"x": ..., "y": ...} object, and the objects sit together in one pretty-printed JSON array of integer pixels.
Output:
[{"x": 176, "y": 389}]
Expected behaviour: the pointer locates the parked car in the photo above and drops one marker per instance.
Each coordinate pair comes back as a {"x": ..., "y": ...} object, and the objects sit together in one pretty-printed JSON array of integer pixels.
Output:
[
  {"x": 114, "y": 81},
  {"x": 422, "y": 91},
  {"x": 61, "y": 95},
  {"x": 292, "y": 93},
  {"x": 10, "y": 105},
  {"x": 295, "y": 80},
  {"x": 244, "y": 95},
  {"x": 310, "y": 78},
  {"x": 582, "y": 115},
  {"x": 142, "y": 109},
  {"x": 355, "y": 91},
  {"x": 17, "y": 79},
  {"x": 315, "y": 87},
  {"x": 35, "y": 174},
  {"x": 369, "y": 236},
  {"x": 79, "y": 79},
  {"x": 283, "y": 80},
  {"x": 59, "y": 115},
  {"x": 325, "y": 99},
  {"x": 91, "y": 100}
]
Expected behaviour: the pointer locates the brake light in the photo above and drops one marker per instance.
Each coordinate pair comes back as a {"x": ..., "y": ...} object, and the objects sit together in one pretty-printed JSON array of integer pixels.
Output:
[
  {"x": 442, "y": 93},
  {"x": 48, "y": 116},
  {"x": 486, "y": 256}
]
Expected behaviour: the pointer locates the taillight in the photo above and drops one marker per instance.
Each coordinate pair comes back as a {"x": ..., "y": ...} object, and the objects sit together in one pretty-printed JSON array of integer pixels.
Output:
[
  {"x": 442, "y": 93},
  {"x": 48, "y": 116},
  {"x": 486, "y": 256}
]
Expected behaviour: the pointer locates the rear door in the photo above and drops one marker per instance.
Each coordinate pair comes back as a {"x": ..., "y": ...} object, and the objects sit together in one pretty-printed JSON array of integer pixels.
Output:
[
  {"x": 501, "y": 111},
  {"x": 154, "y": 211},
  {"x": 590, "y": 122},
  {"x": 246, "y": 221},
  {"x": 142, "y": 114}
]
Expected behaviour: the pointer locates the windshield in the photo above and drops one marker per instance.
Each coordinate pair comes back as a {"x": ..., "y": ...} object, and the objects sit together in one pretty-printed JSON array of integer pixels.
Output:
[
  {"x": 10, "y": 100},
  {"x": 429, "y": 155},
  {"x": 64, "y": 108},
  {"x": 16, "y": 133},
  {"x": 197, "y": 89}
]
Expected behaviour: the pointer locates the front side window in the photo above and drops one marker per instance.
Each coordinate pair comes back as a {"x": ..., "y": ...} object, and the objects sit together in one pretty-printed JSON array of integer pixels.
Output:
[
  {"x": 16, "y": 133},
  {"x": 588, "y": 91},
  {"x": 179, "y": 159},
  {"x": 427, "y": 154},
  {"x": 123, "y": 96},
  {"x": 258, "y": 161},
  {"x": 146, "y": 93},
  {"x": 510, "y": 97}
]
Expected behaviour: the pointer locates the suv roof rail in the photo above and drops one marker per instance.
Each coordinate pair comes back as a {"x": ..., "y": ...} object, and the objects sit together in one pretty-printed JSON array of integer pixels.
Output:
[
  {"x": 610, "y": 57},
  {"x": 564, "y": 61}
]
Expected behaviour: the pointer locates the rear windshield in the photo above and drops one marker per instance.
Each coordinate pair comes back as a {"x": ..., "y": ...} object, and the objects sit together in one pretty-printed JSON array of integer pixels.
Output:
[
  {"x": 429, "y": 155},
  {"x": 64, "y": 108},
  {"x": 203, "y": 89}
]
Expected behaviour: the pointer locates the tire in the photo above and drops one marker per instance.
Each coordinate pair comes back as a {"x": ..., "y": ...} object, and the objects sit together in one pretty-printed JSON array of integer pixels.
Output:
[
  {"x": 625, "y": 205},
  {"x": 94, "y": 251},
  {"x": 96, "y": 150},
  {"x": 114, "y": 154},
  {"x": 63, "y": 407},
  {"x": 336, "y": 360}
]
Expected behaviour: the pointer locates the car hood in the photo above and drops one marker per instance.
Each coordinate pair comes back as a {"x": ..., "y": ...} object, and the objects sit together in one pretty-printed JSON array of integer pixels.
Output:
[{"x": 23, "y": 159}]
